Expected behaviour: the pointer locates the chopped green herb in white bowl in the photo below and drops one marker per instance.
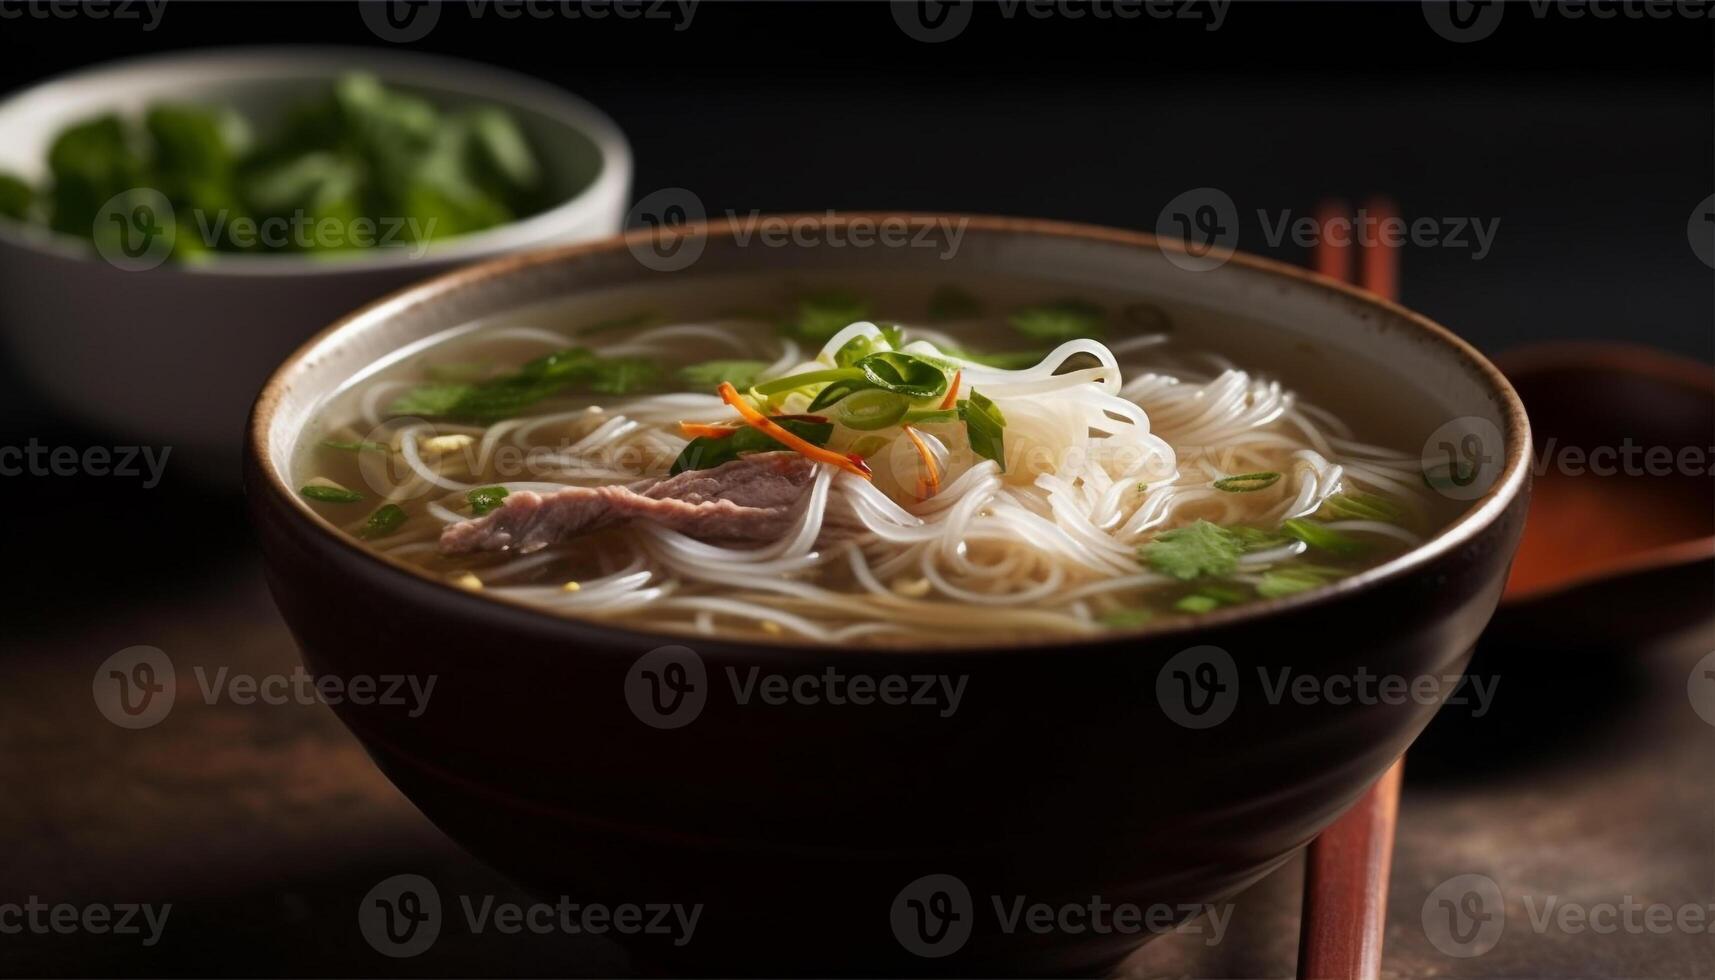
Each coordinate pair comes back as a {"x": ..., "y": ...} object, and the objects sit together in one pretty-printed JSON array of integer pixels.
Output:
[{"x": 170, "y": 227}]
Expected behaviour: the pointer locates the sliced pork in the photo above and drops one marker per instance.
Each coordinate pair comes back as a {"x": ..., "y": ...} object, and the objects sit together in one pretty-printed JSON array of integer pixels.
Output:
[{"x": 750, "y": 499}]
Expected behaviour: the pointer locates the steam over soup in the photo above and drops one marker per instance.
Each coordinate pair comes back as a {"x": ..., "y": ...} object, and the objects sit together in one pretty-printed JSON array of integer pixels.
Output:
[{"x": 900, "y": 462}]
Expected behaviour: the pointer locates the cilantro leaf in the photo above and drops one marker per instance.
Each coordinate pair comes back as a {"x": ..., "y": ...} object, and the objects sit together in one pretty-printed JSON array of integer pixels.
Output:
[
  {"x": 1198, "y": 549},
  {"x": 484, "y": 499}
]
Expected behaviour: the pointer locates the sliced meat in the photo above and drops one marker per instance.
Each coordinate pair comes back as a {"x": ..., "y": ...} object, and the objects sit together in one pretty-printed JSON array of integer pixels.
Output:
[{"x": 749, "y": 499}]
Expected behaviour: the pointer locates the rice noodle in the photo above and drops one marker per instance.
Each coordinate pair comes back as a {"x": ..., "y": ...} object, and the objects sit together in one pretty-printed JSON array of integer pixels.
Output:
[{"x": 1097, "y": 463}]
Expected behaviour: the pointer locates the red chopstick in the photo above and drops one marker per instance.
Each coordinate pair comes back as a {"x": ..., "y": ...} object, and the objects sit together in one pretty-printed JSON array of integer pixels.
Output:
[{"x": 1346, "y": 873}]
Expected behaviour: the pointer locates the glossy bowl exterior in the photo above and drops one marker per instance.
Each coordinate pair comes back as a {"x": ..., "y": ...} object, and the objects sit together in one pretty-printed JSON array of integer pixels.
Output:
[
  {"x": 172, "y": 355},
  {"x": 800, "y": 828}
]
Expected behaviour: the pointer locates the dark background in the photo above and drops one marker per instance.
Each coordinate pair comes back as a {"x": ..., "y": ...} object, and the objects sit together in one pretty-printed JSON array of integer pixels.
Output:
[{"x": 1589, "y": 140}]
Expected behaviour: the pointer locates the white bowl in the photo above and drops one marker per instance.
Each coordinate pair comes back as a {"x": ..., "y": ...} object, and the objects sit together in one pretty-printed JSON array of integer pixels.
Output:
[{"x": 173, "y": 355}]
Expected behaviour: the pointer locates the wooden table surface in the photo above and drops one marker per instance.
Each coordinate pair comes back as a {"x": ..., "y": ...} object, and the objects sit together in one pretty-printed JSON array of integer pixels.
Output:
[{"x": 1589, "y": 781}]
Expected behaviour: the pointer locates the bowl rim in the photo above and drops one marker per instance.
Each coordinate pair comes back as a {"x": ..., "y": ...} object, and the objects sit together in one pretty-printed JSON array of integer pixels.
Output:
[
  {"x": 310, "y": 64},
  {"x": 1479, "y": 514}
]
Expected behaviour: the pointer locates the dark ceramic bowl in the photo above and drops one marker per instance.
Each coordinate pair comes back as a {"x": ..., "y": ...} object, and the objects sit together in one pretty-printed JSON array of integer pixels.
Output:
[{"x": 804, "y": 831}]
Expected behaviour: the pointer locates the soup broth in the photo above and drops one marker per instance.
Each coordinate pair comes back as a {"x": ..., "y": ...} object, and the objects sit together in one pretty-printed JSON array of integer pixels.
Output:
[{"x": 872, "y": 459}]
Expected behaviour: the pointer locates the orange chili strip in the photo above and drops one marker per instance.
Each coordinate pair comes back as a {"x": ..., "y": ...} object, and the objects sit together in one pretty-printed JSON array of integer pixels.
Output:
[
  {"x": 697, "y": 430},
  {"x": 952, "y": 391},
  {"x": 730, "y": 395},
  {"x": 930, "y": 481}
]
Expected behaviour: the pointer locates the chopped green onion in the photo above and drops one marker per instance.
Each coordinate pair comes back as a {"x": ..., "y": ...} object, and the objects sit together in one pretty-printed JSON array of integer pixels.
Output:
[
  {"x": 1298, "y": 578},
  {"x": 1361, "y": 507},
  {"x": 386, "y": 519},
  {"x": 904, "y": 374},
  {"x": 984, "y": 427},
  {"x": 484, "y": 499},
  {"x": 1247, "y": 482},
  {"x": 1323, "y": 538},
  {"x": 710, "y": 374},
  {"x": 871, "y": 409},
  {"x": 793, "y": 381},
  {"x": 330, "y": 495}
]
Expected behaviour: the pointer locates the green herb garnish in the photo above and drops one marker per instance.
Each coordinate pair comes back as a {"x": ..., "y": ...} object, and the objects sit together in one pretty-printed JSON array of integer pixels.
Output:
[
  {"x": 386, "y": 519},
  {"x": 710, "y": 374},
  {"x": 330, "y": 495},
  {"x": 1361, "y": 507},
  {"x": 1247, "y": 482},
  {"x": 509, "y": 395},
  {"x": 361, "y": 166},
  {"x": 1323, "y": 538},
  {"x": 1196, "y": 550},
  {"x": 821, "y": 315},
  {"x": 871, "y": 409},
  {"x": 984, "y": 427},
  {"x": 904, "y": 374},
  {"x": 623, "y": 375},
  {"x": 1258, "y": 539},
  {"x": 1211, "y": 596},
  {"x": 1067, "y": 319},
  {"x": 484, "y": 499},
  {"x": 1297, "y": 578},
  {"x": 707, "y": 452}
]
